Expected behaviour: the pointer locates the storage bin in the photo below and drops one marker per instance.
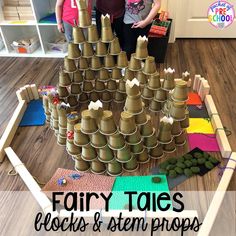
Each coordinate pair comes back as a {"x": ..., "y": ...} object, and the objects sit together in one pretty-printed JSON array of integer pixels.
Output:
[
  {"x": 26, "y": 49},
  {"x": 157, "y": 46},
  {"x": 58, "y": 47}
]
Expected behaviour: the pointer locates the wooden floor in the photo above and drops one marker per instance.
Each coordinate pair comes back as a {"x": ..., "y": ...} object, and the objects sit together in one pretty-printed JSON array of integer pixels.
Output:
[{"x": 37, "y": 147}]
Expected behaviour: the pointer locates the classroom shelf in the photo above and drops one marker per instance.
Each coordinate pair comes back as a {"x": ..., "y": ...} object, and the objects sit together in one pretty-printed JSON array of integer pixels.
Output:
[{"x": 12, "y": 30}]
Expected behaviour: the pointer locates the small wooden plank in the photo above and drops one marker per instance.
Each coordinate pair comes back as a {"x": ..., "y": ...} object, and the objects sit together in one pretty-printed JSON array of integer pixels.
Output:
[
  {"x": 223, "y": 143},
  {"x": 196, "y": 82},
  {"x": 34, "y": 90},
  {"x": 218, "y": 197},
  {"x": 25, "y": 93},
  {"x": 204, "y": 89},
  {"x": 210, "y": 105},
  {"x": 11, "y": 128},
  {"x": 29, "y": 91},
  {"x": 20, "y": 95},
  {"x": 216, "y": 122}
]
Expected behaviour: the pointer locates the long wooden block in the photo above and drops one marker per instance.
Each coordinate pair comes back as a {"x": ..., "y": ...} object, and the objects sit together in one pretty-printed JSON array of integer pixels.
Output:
[
  {"x": 19, "y": 95},
  {"x": 30, "y": 182},
  {"x": 216, "y": 122},
  {"x": 210, "y": 105},
  {"x": 200, "y": 84},
  {"x": 24, "y": 91},
  {"x": 29, "y": 91},
  {"x": 218, "y": 197},
  {"x": 11, "y": 128},
  {"x": 34, "y": 90},
  {"x": 204, "y": 89},
  {"x": 223, "y": 143},
  {"x": 196, "y": 82}
]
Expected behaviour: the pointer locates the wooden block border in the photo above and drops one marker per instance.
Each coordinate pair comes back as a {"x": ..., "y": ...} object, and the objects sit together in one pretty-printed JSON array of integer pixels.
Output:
[
  {"x": 11, "y": 128},
  {"x": 46, "y": 205}
]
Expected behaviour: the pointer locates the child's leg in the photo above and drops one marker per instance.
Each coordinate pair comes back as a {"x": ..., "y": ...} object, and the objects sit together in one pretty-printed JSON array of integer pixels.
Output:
[
  {"x": 118, "y": 26},
  {"x": 68, "y": 32},
  {"x": 130, "y": 39},
  {"x": 98, "y": 21}
]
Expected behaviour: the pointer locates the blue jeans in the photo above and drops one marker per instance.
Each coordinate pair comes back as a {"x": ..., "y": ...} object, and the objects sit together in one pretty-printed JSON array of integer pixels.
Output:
[{"x": 68, "y": 32}]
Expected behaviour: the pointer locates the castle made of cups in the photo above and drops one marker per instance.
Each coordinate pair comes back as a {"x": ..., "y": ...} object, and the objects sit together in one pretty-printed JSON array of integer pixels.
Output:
[{"x": 96, "y": 70}]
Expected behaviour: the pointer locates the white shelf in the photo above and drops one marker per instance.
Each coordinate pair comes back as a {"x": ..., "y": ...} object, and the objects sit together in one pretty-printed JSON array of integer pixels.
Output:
[
  {"x": 15, "y": 29},
  {"x": 17, "y": 22}
]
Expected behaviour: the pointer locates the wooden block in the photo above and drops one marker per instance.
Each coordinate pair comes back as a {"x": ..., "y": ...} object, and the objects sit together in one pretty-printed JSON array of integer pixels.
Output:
[
  {"x": 26, "y": 96},
  {"x": 223, "y": 143},
  {"x": 195, "y": 82},
  {"x": 34, "y": 90},
  {"x": 200, "y": 84},
  {"x": 218, "y": 197},
  {"x": 9, "y": 8},
  {"x": 6, "y": 14},
  {"x": 11, "y": 18},
  {"x": 24, "y": 9},
  {"x": 210, "y": 105},
  {"x": 20, "y": 95},
  {"x": 11, "y": 128},
  {"x": 30, "y": 182},
  {"x": 204, "y": 89},
  {"x": 25, "y": 17},
  {"x": 216, "y": 122},
  {"x": 11, "y": 2},
  {"x": 29, "y": 91}
]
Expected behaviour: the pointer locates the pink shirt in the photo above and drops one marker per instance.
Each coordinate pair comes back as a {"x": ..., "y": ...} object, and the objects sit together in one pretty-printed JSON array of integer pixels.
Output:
[{"x": 70, "y": 11}]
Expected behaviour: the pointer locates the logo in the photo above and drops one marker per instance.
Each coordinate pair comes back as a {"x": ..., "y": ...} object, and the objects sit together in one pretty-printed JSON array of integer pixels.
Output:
[{"x": 221, "y": 14}]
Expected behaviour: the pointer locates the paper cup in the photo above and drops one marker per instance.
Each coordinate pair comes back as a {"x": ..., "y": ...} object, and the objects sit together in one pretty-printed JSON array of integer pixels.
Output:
[
  {"x": 116, "y": 141},
  {"x": 107, "y": 124},
  {"x": 88, "y": 124},
  {"x": 88, "y": 153},
  {"x": 114, "y": 47},
  {"x": 124, "y": 155},
  {"x": 73, "y": 51},
  {"x": 105, "y": 154},
  {"x": 157, "y": 152}
]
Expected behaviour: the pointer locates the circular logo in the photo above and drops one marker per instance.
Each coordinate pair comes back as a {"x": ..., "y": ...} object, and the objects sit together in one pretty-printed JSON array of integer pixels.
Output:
[{"x": 221, "y": 14}]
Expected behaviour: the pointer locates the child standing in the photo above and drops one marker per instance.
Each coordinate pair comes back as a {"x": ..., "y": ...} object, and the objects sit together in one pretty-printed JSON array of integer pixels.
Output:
[
  {"x": 67, "y": 14},
  {"x": 137, "y": 21},
  {"x": 116, "y": 10}
]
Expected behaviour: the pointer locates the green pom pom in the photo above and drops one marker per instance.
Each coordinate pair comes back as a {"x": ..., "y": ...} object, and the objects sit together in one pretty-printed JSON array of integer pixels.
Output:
[
  {"x": 195, "y": 170},
  {"x": 179, "y": 170},
  {"x": 188, "y": 156},
  {"x": 181, "y": 165},
  {"x": 194, "y": 162},
  {"x": 172, "y": 161},
  {"x": 156, "y": 179},
  {"x": 163, "y": 165},
  {"x": 188, "y": 163},
  {"x": 209, "y": 165},
  {"x": 172, "y": 174},
  {"x": 170, "y": 167},
  {"x": 163, "y": 171},
  {"x": 198, "y": 155},
  {"x": 188, "y": 172},
  {"x": 206, "y": 155},
  {"x": 181, "y": 159},
  {"x": 201, "y": 161},
  {"x": 213, "y": 160}
]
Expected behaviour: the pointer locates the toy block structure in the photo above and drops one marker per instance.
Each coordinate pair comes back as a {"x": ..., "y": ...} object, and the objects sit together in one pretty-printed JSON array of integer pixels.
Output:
[{"x": 95, "y": 143}]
